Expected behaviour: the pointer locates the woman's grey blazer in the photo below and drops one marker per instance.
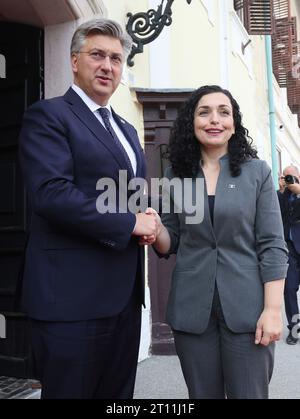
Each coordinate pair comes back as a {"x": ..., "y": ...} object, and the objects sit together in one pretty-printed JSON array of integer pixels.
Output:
[{"x": 243, "y": 249}]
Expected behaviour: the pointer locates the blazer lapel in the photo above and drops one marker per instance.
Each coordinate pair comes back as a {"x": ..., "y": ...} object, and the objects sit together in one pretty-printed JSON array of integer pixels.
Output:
[
  {"x": 223, "y": 183},
  {"x": 92, "y": 123},
  {"x": 225, "y": 191},
  {"x": 207, "y": 218}
]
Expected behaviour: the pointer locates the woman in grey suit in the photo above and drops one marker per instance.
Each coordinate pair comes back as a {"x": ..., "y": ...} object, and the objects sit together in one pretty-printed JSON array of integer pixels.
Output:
[{"x": 225, "y": 300}]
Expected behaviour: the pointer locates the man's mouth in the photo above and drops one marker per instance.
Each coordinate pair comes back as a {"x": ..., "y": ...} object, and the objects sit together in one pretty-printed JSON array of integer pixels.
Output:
[{"x": 103, "y": 78}]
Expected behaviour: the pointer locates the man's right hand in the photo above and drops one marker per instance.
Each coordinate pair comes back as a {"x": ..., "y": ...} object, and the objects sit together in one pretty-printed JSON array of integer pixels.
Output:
[
  {"x": 146, "y": 225},
  {"x": 281, "y": 183},
  {"x": 147, "y": 240}
]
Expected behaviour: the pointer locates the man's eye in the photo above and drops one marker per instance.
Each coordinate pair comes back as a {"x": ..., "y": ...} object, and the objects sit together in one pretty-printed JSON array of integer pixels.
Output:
[
  {"x": 116, "y": 60},
  {"x": 96, "y": 55}
]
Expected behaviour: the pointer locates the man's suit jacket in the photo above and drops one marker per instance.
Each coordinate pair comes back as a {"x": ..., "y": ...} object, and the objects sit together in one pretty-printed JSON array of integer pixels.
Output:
[
  {"x": 290, "y": 211},
  {"x": 243, "y": 249},
  {"x": 80, "y": 264}
]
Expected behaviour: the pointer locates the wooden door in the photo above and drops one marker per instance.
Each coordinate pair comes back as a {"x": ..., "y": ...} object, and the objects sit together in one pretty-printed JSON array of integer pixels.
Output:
[
  {"x": 22, "y": 49},
  {"x": 160, "y": 109}
]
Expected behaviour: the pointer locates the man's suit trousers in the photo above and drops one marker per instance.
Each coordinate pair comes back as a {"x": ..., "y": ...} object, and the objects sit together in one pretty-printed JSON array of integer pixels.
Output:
[{"x": 93, "y": 359}]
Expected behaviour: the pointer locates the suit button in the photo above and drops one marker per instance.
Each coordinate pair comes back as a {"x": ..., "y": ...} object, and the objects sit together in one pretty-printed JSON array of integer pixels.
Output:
[{"x": 213, "y": 246}]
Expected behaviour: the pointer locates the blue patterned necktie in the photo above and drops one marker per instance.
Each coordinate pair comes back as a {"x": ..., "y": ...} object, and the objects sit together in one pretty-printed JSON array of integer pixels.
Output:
[{"x": 104, "y": 112}]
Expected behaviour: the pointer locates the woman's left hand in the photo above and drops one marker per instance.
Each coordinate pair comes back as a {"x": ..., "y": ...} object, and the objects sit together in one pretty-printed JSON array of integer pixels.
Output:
[{"x": 269, "y": 327}]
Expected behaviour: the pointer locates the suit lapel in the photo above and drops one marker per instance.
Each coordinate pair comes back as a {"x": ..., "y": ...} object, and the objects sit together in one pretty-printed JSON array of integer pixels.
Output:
[
  {"x": 221, "y": 195},
  {"x": 91, "y": 122},
  {"x": 207, "y": 217}
]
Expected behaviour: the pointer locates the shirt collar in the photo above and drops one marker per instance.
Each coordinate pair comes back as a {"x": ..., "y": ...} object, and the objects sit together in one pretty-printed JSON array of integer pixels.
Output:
[{"x": 93, "y": 106}]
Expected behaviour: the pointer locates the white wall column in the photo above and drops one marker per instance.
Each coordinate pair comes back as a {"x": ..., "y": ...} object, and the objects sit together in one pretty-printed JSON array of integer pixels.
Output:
[
  {"x": 58, "y": 73},
  {"x": 224, "y": 43},
  {"x": 160, "y": 57}
]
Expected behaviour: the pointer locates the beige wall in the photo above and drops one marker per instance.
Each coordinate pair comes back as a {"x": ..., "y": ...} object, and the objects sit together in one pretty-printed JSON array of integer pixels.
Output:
[
  {"x": 186, "y": 55},
  {"x": 194, "y": 50},
  {"x": 194, "y": 40},
  {"x": 124, "y": 100}
]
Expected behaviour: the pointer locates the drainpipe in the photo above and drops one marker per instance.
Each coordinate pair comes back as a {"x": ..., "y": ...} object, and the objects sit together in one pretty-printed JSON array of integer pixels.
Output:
[
  {"x": 268, "y": 43},
  {"x": 224, "y": 44}
]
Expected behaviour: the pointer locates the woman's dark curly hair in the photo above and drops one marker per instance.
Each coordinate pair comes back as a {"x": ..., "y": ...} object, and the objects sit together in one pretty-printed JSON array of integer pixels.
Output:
[{"x": 184, "y": 151}]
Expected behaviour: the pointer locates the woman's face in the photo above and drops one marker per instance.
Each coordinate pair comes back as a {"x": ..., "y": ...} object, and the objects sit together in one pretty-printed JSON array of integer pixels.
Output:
[{"x": 213, "y": 121}]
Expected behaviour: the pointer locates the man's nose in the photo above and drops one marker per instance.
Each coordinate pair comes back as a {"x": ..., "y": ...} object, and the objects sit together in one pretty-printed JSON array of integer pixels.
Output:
[{"x": 106, "y": 63}]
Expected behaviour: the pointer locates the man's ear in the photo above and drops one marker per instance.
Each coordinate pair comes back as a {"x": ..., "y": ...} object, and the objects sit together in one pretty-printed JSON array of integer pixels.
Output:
[{"x": 74, "y": 61}]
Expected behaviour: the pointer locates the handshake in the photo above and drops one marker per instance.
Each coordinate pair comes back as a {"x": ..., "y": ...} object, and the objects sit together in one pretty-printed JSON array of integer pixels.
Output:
[{"x": 148, "y": 226}]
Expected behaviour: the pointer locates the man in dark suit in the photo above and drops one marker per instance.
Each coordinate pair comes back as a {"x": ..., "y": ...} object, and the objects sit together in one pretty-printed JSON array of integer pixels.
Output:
[
  {"x": 83, "y": 278},
  {"x": 289, "y": 199}
]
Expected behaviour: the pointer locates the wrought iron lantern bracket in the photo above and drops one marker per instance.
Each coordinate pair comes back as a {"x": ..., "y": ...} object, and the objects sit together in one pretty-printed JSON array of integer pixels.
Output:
[{"x": 144, "y": 27}]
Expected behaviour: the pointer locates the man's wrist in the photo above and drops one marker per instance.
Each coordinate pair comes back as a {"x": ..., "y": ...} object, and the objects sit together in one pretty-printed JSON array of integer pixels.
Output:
[{"x": 134, "y": 225}]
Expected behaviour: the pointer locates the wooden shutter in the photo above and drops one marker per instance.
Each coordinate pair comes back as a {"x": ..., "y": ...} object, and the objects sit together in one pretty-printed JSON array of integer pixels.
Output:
[
  {"x": 238, "y": 4},
  {"x": 282, "y": 41},
  {"x": 282, "y": 9},
  {"x": 282, "y": 50},
  {"x": 293, "y": 77},
  {"x": 258, "y": 15},
  {"x": 293, "y": 94}
]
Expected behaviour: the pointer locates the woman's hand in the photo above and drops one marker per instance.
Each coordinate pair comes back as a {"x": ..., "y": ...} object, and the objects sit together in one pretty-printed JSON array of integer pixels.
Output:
[{"x": 269, "y": 327}]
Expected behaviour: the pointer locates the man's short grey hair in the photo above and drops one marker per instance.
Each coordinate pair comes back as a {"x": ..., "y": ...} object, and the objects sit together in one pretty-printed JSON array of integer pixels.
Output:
[
  {"x": 105, "y": 27},
  {"x": 293, "y": 168}
]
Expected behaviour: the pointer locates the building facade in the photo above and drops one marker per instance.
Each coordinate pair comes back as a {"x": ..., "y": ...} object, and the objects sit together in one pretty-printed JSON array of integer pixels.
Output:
[{"x": 203, "y": 42}]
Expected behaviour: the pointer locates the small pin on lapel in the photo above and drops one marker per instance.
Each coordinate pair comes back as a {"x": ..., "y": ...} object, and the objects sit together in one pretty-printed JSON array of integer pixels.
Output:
[{"x": 231, "y": 186}]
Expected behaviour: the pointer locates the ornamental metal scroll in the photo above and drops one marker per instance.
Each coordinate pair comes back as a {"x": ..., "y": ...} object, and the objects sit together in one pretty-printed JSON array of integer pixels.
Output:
[{"x": 144, "y": 27}]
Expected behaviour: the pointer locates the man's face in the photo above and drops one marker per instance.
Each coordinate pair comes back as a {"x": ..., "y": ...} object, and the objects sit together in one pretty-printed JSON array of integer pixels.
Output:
[
  {"x": 97, "y": 68},
  {"x": 292, "y": 171}
]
